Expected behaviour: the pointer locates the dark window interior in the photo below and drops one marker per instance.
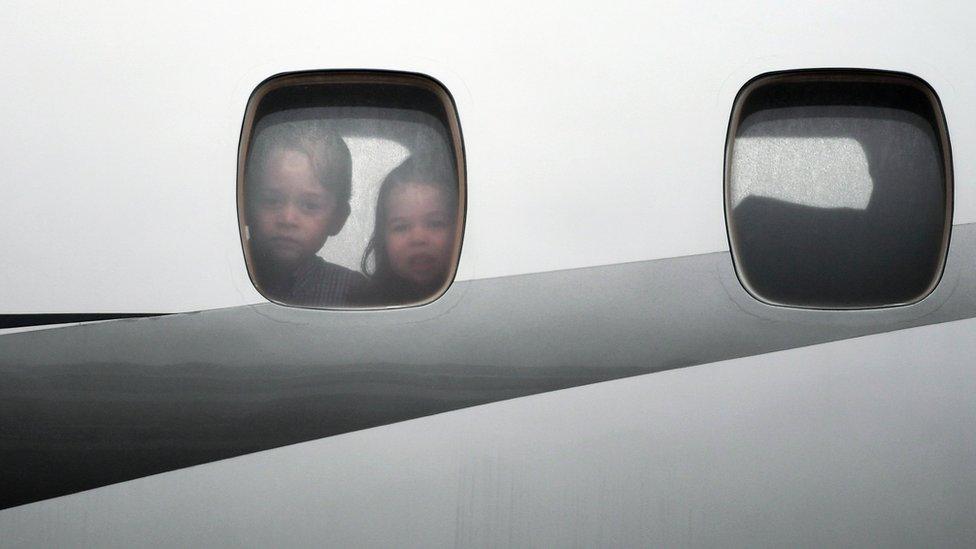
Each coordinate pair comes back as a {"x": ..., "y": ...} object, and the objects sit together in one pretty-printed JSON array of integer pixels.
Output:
[{"x": 838, "y": 189}]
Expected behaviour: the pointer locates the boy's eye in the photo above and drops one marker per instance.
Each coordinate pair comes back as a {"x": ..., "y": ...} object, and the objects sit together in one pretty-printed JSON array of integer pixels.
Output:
[
  {"x": 311, "y": 206},
  {"x": 269, "y": 200}
]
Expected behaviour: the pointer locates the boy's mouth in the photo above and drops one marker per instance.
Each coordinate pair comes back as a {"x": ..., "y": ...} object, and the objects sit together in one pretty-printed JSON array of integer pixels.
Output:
[{"x": 285, "y": 244}]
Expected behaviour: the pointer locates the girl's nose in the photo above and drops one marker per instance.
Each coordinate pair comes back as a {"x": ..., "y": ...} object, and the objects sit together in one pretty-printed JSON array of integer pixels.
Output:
[{"x": 419, "y": 235}]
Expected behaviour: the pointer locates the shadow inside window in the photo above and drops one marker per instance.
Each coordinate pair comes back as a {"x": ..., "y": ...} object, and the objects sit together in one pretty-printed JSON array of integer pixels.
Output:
[{"x": 842, "y": 257}]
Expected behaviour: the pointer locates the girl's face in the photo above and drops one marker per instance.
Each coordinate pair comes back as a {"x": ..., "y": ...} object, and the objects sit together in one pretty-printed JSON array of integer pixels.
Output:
[{"x": 419, "y": 233}]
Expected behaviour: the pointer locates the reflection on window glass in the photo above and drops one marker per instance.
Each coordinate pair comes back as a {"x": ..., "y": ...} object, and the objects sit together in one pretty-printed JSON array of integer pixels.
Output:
[
  {"x": 351, "y": 192},
  {"x": 838, "y": 189}
]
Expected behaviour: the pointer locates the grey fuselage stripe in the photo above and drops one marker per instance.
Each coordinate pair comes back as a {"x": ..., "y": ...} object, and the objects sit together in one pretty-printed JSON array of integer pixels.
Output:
[{"x": 90, "y": 405}]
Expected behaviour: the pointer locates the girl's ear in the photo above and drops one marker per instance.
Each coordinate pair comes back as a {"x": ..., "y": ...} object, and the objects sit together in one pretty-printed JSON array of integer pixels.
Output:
[{"x": 339, "y": 217}]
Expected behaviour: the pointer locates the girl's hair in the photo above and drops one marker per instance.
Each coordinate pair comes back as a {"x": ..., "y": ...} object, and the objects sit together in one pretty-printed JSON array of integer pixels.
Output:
[{"x": 419, "y": 170}]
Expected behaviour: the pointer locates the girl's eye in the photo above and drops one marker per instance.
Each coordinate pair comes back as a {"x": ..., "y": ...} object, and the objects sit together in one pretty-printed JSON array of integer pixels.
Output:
[
  {"x": 398, "y": 227},
  {"x": 436, "y": 224}
]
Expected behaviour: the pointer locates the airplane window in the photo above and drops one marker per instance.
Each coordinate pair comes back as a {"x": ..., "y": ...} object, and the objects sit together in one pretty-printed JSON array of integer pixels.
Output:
[
  {"x": 351, "y": 189},
  {"x": 838, "y": 189}
]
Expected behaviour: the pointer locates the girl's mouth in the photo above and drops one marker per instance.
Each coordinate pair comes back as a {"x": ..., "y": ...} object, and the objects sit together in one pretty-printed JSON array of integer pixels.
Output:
[{"x": 422, "y": 262}]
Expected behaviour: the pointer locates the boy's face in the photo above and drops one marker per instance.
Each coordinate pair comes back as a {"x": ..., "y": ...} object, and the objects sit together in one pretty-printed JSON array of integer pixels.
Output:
[
  {"x": 292, "y": 213},
  {"x": 419, "y": 233}
]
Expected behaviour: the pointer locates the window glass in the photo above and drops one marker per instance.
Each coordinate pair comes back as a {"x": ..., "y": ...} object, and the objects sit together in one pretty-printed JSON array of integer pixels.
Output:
[
  {"x": 838, "y": 189},
  {"x": 351, "y": 189}
]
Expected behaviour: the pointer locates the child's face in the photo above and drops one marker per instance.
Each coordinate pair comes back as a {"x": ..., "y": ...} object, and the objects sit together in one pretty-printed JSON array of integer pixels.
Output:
[
  {"x": 419, "y": 233},
  {"x": 293, "y": 213}
]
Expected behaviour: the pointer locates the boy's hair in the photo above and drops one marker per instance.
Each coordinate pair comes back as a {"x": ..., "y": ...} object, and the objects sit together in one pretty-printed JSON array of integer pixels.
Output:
[
  {"x": 425, "y": 170},
  {"x": 328, "y": 153}
]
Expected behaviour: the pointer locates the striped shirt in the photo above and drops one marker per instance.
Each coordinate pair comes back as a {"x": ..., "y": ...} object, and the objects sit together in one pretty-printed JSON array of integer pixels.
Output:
[{"x": 318, "y": 283}]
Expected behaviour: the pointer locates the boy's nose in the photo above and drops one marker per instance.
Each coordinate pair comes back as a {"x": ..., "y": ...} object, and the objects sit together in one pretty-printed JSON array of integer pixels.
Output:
[{"x": 288, "y": 215}]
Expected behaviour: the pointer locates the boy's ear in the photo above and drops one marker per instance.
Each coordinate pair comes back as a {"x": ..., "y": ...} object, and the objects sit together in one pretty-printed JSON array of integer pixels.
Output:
[{"x": 339, "y": 217}]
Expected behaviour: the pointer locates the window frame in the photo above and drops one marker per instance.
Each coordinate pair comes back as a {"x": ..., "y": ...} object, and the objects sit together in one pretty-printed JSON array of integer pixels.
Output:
[
  {"x": 839, "y": 75},
  {"x": 340, "y": 77}
]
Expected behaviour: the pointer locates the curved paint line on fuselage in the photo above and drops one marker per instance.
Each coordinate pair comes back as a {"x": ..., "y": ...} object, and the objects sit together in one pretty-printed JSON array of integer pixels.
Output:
[{"x": 86, "y": 406}]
